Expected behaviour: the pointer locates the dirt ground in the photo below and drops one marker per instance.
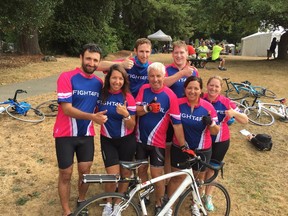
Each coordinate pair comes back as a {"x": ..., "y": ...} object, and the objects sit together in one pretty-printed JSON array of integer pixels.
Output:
[{"x": 256, "y": 181}]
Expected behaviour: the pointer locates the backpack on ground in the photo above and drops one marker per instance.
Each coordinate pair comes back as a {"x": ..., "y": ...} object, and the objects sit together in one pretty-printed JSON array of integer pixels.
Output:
[{"x": 263, "y": 142}]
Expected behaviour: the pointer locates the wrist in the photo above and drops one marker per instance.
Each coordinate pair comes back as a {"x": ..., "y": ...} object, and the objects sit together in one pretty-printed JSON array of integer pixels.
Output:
[
  {"x": 127, "y": 118},
  {"x": 213, "y": 124},
  {"x": 146, "y": 108}
]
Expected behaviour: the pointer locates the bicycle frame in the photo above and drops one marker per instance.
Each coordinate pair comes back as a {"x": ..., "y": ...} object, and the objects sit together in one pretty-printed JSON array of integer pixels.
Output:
[
  {"x": 281, "y": 112},
  {"x": 188, "y": 181}
]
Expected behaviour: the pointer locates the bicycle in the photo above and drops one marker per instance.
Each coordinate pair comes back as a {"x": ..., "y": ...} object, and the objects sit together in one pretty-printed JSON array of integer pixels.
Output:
[
  {"x": 49, "y": 108},
  {"x": 237, "y": 91},
  {"x": 183, "y": 198},
  {"x": 263, "y": 113},
  {"x": 21, "y": 110}
]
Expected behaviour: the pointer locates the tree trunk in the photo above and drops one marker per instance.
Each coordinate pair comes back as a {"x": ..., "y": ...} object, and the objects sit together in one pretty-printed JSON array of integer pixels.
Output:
[
  {"x": 283, "y": 46},
  {"x": 28, "y": 43}
]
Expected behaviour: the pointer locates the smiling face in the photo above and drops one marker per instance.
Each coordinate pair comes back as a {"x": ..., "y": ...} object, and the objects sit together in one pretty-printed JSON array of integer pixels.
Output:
[
  {"x": 156, "y": 79},
  {"x": 90, "y": 61},
  {"x": 180, "y": 56},
  {"x": 143, "y": 52},
  {"x": 214, "y": 88},
  {"x": 193, "y": 91},
  {"x": 116, "y": 81}
]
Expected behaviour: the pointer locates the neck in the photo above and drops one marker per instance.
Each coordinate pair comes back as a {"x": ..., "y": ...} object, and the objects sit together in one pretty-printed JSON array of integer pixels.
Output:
[{"x": 212, "y": 98}]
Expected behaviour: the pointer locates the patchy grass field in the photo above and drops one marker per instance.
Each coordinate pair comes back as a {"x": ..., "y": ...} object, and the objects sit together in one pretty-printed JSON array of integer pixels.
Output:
[{"x": 256, "y": 181}]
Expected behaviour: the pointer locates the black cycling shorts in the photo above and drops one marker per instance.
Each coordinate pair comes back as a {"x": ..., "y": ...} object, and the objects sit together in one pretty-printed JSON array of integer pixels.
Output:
[
  {"x": 67, "y": 146},
  {"x": 178, "y": 158},
  {"x": 118, "y": 149},
  {"x": 219, "y": 150},
  {"x": 169, "y": 133},
  {"x": 156, "y": 155}
]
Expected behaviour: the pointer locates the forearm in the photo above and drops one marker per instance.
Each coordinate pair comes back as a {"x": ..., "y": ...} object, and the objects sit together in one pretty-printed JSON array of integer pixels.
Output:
[
  {"x": 241, "y": 118},
  {"x": 105, "y": 65},
  {"x": 73, "y": 112},
  {"x": 170, "y": 80},
  {"x": 129, "y": 122},
  {"x": 214, "y": 129}
]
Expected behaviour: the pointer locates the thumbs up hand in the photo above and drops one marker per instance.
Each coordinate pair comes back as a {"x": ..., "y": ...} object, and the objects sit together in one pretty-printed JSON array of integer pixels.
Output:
[
  {"x": 230, "y": 112},
  {"x": 153, "y": 106},
  {"x": 207, "y": 120},
  {"x": 128, "y": 63}
]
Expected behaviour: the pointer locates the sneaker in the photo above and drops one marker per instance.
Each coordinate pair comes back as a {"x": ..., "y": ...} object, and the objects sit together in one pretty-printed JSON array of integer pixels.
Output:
[
  {"x": 208, "y": 203},
  {"x": 195, "y": 210},
  {"x": 107, "y": 211},
  {"x": 116, "y": 211},
  {"x": 84, "y": 212},
  {"x": 222, "y": 68},
  {"x": 169, "y": 212},
  {"x": 157, "y": 210}
]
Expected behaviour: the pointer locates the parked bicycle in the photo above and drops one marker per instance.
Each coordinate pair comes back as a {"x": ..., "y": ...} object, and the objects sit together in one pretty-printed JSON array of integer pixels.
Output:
[
  {"x": 263, "y": 114},
  {"x": 21, "y": 110},
  {"x": 49, "y": 108},
  {"x": 184, "y": 197},
  {"x": 237, "y": 91}
]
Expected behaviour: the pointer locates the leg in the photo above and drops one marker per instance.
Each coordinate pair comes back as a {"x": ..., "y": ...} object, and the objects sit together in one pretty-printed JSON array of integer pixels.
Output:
[
  {"x": 64, "y": 187},
  {"x": 174, "y": 182},
  {"x": 159, "y": 186},
  {"x": 167, "y": 166},
  {"x": 83, "y": 168}
]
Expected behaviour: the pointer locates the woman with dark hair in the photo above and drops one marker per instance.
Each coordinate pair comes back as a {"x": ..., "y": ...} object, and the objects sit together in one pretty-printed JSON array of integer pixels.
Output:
[
  {"x": 199, "y": 120},
  {"x": 117, "y": 139}
]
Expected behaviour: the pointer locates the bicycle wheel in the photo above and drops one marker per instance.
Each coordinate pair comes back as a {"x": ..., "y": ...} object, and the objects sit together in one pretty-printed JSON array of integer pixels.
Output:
[
  {"x": 32, "y": 115},
  {"x": 95, "y": 205},
  {"x": 257, "y": 117},
  {"x": 49, "y": 108},
  {"x": 240, "y": 106},
  {"x": 238, "y": 94},
  {"x": 268, "y": 93},
  {"x": 221, "y": 201}
]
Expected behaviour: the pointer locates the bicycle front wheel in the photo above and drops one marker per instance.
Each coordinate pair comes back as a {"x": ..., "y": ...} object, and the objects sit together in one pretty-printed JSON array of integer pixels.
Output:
[
  {"x": 237, "y": 92},
  {"x": 49, "y": 108},
  {"x": 32, "y": 115},
  {"x": 259, "y": 117},
  {"x": 95, "y": 205},
  {"x": 221, "y": 201}
]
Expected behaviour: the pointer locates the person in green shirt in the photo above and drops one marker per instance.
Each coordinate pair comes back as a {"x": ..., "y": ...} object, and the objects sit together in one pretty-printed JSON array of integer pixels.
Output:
[{"x": 216, "y": 50}]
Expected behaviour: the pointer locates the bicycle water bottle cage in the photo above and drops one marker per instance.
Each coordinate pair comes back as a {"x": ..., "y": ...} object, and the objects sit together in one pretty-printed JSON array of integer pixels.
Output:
[{"x": 22, "y": 108}]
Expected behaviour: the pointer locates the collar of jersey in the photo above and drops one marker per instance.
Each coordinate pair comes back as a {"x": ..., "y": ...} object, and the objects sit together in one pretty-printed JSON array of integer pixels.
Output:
[
  {"x": 138, "y": 63},
  {"x": 197, "y": 105},
  {"x": 214, "y": 101},
  {"x": 117, "y": 92}
]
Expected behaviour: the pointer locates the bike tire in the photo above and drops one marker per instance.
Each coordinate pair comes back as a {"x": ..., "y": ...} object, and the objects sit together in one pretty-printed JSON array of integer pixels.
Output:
[
  {"x": 240, "y": 106},
  {"x": 233, "y": 94},
  {"x": 33, "y": 115},
  {"x": 257, "y": 117},
  {"x": 49, "y": 108},
  {"x": 221, "y": 201},
  {"x": 95, "y": 205},
  {"x": 268, "y": 93}
]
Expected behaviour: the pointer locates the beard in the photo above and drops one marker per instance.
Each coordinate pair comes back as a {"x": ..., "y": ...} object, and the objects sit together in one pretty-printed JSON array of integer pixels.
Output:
[{"x": 88, "y": 69}]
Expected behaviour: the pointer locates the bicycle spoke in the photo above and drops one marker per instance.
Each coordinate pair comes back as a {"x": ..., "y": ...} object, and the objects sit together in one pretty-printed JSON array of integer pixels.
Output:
[{"x": 258, "y": 117}]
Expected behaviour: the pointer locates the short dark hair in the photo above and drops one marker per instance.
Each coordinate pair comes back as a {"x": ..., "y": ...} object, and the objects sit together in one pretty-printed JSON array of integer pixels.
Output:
[{"x": 91, "y": 47}]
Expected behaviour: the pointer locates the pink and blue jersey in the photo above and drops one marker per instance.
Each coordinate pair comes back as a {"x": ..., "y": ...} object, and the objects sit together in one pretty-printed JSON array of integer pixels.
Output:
[
  {"x": 178, "y": 87},
  {"x": 115, "y": 126},
  {"x": 82, "y": 92},
  {"x": 152, "y": 127},
  {"x": 138, "y": 75},
  {"x": 221, "y": 104},
  {"x": 197, "y": 135}
]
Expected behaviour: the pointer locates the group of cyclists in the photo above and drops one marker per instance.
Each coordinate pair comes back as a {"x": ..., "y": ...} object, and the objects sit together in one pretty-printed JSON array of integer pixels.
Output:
[{"x": 147, "y": 111}]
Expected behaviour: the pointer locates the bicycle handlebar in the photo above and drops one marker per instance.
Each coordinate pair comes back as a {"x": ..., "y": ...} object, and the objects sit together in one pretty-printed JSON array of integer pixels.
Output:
[{"x": 18, "y": 91}]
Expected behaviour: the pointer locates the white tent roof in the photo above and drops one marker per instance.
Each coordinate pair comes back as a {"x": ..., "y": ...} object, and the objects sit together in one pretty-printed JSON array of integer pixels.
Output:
[
  {"x": 160, "y": 36},
  {"x": 258, "y": 43}
]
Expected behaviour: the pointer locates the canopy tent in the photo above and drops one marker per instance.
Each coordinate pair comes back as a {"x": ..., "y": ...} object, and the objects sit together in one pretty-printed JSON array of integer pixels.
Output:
[
  {"x": 258, "y": 43},
  {"x": 159, "y": 36}
]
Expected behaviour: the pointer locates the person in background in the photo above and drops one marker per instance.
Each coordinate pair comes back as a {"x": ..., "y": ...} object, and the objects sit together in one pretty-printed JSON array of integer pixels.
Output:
[
  {"x": 77, "y": 91},
  {"x": 199, "y": 120},
  {"x": 271, "y": 50},
  {"x": 191, "y": 51},
  {"x": 156, "y": 106},
  {"x": 216, "y": 51},
  {"x": 136, "y": 67},
  {"x": 118, "y": 141},
  {"x": 176, "y": 74},
  {"x": 226, "y": 109}
]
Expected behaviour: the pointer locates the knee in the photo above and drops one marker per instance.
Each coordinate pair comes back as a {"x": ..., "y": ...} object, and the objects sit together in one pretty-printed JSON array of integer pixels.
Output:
[{"x": 65, "y": 176}]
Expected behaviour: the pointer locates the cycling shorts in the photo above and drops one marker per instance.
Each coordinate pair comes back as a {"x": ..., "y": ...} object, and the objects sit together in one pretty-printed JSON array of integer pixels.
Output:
[
  {"x": 117, "y": 149},
  {"x": 155, "y": 155},
  {"x": 219, "y": 150},
  {"x": 67, "y": 146},
  {"x": 178, "y": 158}
]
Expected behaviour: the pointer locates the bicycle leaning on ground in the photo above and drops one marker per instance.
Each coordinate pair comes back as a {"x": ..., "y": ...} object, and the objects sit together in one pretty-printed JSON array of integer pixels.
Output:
[
  {"x": 49, "y": 108},
  {"x": 237, "y": 91},
  {"x": 184, "y": 197},
  {"x": 263, "y": 114},
  {"x": 21, "y": 110}
]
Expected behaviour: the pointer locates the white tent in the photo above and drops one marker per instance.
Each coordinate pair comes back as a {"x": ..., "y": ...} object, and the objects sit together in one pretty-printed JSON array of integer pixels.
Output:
[
  {"x": 258, "y": 43},
  {"x": 160, "y": 36}
]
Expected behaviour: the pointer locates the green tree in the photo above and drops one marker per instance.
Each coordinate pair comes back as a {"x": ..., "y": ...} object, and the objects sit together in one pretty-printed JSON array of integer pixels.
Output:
[{"x": 23, "y": 19}]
